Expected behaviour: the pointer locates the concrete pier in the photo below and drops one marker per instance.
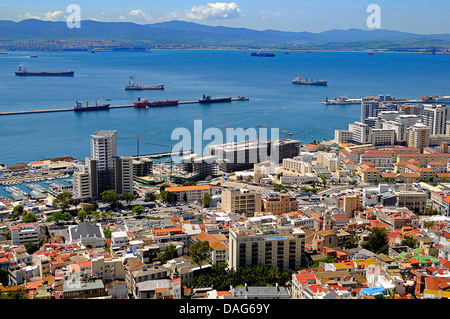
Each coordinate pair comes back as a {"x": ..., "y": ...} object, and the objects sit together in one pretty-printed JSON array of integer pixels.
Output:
[{"x": 110, "y": 107}]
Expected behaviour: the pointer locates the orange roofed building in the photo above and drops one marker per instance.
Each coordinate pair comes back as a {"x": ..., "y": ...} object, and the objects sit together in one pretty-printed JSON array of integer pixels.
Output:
[{"x": 190, "y": 194}]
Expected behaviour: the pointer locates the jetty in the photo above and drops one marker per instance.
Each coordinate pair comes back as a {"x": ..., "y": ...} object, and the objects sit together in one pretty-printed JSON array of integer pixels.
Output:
[{"x": 71, "y": 109}]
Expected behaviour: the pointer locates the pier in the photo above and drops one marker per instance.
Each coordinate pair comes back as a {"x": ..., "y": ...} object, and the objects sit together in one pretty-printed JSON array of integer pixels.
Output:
[{"x": 68, "y": 109}]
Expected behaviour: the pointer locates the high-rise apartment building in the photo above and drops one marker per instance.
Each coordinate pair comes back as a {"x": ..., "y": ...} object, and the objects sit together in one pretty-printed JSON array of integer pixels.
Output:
[
  {"x": 103, "y": 170},
  {"x": 435, "y": 116},
  {"x": 418, "y": 136}
]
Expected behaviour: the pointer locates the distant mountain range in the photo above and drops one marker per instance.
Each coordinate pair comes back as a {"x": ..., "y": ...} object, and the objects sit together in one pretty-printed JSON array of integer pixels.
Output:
[{"x": 189, "y": 33}]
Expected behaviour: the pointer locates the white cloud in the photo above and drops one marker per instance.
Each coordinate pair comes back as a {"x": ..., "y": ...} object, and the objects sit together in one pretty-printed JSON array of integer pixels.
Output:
[
  {"x": 140, "y": 14},
  {"x": 46, "y": 16},
  {"x": 218, "y": 10},
  {"x": 279, "y": 13}
]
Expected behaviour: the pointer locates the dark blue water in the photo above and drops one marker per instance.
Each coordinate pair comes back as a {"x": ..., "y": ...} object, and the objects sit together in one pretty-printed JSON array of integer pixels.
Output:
[{"x": 188, "y": 74}]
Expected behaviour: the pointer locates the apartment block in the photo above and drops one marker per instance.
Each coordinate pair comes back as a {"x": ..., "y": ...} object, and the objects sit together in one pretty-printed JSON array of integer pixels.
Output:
[
  {"x": 25, "y": 232},
  {"x": 253, "y": 244},
  {"x": 190, "y": 194},
  {"x": 279, "y": 203},
  {"x": 241, "y": 201}
]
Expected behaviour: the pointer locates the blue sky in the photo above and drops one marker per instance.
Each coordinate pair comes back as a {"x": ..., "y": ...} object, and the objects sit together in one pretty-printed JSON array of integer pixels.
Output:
[{"x": 417, "y": 16}]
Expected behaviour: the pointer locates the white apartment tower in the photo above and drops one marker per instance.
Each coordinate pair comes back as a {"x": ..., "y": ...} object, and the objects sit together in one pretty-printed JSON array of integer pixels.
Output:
[
  {"x": 435, "y": 116},
  {"x": 104, "y": 170},
  {"x": 419, "y": 136}
]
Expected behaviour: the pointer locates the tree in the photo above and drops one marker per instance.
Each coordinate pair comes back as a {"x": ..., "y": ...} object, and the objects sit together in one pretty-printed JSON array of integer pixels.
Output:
[
  {"x": 18, "y": 210},
  {"x": 67, "y": 216},
  {"x": 199, "y": 252},
  {"x": 4, "y": 277},
  {"x": 207, "y": 199},
  {"x": 31, "y": 247},
  {"x": 76, "y": 202},
  {"x": 128, "y": 197},
  {"x": 82, "y": 215},
  {"x": 16, "y": 294},
  {"x": 138, "y": 210},
  {"x": 377, "y": 241},
  {"x": 94, "y": 205},
  {"x": 29, "y": 218},
  {"x": 168, "y": 197},
  {"x": 150, "y": 197},
  {"x": 107, "y": 233},
  {"x": 111, "y": 198},
  {"x": 56, "y": 216},
  {"x": 409, "y": 241},
  {"x": 95, "y": 215},
  {"x": 352, "y": 242},
  {"x": 170, "y": 252},
  {"x": 62, "y": 201}
]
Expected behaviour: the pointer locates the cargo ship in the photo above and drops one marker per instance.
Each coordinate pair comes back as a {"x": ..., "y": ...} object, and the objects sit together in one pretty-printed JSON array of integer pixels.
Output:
[
  {"x": 263, "y": 54},
  {"x": 80, "y": 108},
  {"x": 300, "y": 80},
  {"x": 131, "y": 85},
  {"x": 25, "y": 72},
  {"x": 206, "y": 99},
  {"x": 141, "y": 103}
]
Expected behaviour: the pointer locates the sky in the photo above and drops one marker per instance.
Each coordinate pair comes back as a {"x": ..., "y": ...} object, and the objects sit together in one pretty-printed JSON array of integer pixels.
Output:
[{"x": 418, "y": 16}]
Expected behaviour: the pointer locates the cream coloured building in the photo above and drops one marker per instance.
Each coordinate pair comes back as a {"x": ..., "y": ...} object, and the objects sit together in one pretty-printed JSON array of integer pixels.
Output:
[
  {"x": 253, "y": 244},
  {"x": 241, "y": 201}
]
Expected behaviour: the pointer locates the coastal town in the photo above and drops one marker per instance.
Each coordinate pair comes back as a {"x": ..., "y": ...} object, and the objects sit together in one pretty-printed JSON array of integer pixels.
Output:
[{"x": 363, "y": 216}]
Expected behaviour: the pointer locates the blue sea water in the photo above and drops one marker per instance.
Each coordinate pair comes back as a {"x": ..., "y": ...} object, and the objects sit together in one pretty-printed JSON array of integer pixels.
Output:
[{"x": 188, "y": 74}]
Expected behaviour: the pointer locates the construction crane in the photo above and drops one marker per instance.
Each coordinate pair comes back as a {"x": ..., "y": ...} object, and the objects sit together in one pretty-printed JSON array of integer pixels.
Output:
[{"x": 137, "y": 142}]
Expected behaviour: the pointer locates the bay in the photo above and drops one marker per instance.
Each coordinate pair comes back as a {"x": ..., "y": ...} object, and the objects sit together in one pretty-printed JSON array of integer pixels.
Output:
[{"x": 188, "y": 74}]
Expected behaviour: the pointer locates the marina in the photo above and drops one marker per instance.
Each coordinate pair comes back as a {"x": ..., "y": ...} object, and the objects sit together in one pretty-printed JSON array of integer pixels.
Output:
[{"x": 71, "y": 109}]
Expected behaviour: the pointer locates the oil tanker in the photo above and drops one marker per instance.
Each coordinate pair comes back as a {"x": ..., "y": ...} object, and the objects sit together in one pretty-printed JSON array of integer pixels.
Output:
[
  {"x": 25, "y": 72},
  {"x": 141, "y": 103},
  {"x": 206, "y": 99}
]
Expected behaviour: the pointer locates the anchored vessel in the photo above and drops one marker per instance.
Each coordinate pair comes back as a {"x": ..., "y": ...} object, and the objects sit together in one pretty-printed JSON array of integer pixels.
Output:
[
  {"x": 141, "y": 103},
  {"x": 25, "y": 72},
  {"x": 300, "y": 80},
  {"x": 80, "y": 108},
  {"x": 131, "y": 85},
  {"x": 264, "y": 54},
  {"x": 206, "y": 99}
]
